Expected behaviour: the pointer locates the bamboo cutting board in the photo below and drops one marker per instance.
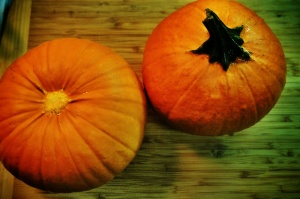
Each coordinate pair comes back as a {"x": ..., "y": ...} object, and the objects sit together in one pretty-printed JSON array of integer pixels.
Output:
[{"x": 260, "y": 162}]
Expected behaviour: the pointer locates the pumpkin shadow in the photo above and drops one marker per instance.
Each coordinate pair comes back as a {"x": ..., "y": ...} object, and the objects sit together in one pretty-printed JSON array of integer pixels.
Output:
[
  {"x": 209, "y": 146},
  {"x": 166, "y": 157}
]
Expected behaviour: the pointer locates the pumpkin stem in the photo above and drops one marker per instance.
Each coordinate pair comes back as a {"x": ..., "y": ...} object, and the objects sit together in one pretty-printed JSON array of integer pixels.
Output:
[
  {"x": 224, "y": 44},
  {"x": 55, "y": 101}
]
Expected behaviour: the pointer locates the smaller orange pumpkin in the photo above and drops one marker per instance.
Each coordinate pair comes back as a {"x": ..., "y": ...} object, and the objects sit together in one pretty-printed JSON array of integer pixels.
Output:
[
  {"x": 216, "y": 77},
  {"x": 72, "y": 115}
]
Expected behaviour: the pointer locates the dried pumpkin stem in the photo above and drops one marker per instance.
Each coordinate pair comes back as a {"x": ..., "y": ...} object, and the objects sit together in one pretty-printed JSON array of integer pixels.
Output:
[{"x": 224, "y": 44}]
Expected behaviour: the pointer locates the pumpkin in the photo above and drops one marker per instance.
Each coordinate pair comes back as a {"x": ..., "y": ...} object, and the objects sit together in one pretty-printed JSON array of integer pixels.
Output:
[
  {"x": 213, "y": 67},
  {"x": 72, "y": 115}
]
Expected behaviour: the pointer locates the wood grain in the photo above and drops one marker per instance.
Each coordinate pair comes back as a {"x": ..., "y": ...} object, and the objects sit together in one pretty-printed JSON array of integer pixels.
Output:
[
  {"x": 260, "y": 162},
  {"x": 12, "y": 45}
]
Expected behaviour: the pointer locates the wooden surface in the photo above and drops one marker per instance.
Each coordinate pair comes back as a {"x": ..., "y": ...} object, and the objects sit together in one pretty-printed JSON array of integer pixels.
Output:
[
  {"x": 13, "y": 43},
  {"x": 261, "y": 162}
]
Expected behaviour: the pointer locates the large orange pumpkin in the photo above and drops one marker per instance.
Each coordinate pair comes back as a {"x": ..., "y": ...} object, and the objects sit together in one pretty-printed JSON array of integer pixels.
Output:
[
  {"x": 72, "y": 115},
  {"x": 213, "y": 67}
]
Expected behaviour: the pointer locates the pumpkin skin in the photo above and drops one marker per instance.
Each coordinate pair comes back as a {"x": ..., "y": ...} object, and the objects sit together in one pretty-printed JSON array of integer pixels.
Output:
[
  {"x": 198, "y": 96},
  {"x": 72, "y": 115}
]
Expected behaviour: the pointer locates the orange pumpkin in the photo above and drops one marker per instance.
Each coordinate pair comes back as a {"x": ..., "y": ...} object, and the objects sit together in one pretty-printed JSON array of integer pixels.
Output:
[
  {"x": 72, "y": 115},
  {"x": 213, "y": 67}
]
